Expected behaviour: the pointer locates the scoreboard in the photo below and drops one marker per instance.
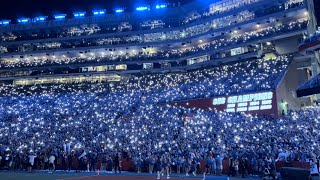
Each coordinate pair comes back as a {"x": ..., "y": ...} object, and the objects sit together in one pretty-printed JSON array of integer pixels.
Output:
[{"x": 260, "y": 103}]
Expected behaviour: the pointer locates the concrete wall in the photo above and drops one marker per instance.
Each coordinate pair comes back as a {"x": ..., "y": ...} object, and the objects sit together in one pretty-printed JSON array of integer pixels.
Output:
[
  {"x": 286, "y": 90},
  {"x": 288, "y": 45}
]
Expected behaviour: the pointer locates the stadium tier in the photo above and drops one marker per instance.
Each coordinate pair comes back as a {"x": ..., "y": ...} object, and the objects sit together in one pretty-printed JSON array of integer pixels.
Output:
[{"x": 213, "y": 87}]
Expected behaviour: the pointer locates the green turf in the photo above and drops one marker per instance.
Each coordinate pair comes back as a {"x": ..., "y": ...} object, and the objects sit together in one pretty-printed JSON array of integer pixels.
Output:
[{"x": 40, "y": 176}]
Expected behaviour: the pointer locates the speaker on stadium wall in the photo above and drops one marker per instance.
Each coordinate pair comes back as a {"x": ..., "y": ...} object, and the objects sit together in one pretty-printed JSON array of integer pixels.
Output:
[{"x": 290, "y": 173}]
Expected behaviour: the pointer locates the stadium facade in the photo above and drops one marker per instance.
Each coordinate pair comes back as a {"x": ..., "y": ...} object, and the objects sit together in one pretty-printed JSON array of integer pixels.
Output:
[{"x": 108, "y": 48}]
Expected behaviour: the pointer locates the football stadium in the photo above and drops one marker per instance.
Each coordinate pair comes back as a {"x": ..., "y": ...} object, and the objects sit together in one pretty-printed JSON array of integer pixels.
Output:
[{"x": 198, "y": 89}]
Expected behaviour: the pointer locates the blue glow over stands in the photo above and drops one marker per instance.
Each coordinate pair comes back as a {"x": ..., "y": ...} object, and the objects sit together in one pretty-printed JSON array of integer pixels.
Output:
[
  {"x": 99, "y": 12},
  {"x": 79, "y": 14},
  {"x": 143, "y": 8},
  {"x": 40, "y": 18},
  {"x": 5, "y": 22},
  {"x": 23, "y": 20},
  {"x": 60, "y": 16}
]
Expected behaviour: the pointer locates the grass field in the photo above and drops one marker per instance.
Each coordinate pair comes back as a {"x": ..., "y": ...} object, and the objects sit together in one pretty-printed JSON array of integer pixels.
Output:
[{"x": 102, "y": 176}]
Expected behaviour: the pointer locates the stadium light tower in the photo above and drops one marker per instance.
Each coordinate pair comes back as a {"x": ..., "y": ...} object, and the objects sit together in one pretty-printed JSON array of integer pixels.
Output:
[
  {"x": 5, "y": 22},
  {"x": 143, "y": 8},
  {"x": 161, "y": 6},
  {"x": 40, "y": 18},
  {"x": 60, "y": 16},
  {"x": 99, "y": 12},
  {"x": 79, "y": 14},
  {"x": 119, "y": 10},
  {"x": 23, "y": 20}
]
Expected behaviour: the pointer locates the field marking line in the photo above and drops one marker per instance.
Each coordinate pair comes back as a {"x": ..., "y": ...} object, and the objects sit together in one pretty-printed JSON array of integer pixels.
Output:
[{"x": 80, "y": 177}]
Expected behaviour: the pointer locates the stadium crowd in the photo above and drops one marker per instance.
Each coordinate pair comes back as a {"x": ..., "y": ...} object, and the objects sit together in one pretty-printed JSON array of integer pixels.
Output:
[
  {"x": 232, "y": 40},
  {"x": 134, "y": 120},
  {"x": 149, "y": 38}
]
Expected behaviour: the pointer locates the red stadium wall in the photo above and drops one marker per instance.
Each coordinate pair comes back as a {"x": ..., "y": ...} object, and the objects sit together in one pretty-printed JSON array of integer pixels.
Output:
[
  {"x": 207, "y": 103},
  {"x": 128, "y": 165}
]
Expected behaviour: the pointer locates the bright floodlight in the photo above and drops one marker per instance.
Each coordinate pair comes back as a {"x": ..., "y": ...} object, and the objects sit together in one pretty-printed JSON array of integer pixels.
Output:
[
  {"x": 5, "y": 22},
  {"x": 161, "y": 6},
  {"x": 79, "y": 14},
  {"x": 40, "y": 18},
  {"x": 99, "y": 12},
  {"x": 119, "y": 10},
  {"x": 142, "y": 8},
  {"x": 60, "y": 16},
  {"x": 23, "y": 20}
]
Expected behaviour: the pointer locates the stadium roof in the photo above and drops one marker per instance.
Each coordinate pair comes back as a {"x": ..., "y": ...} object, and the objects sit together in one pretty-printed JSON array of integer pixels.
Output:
[
  {"x": 16, "y": 8},
  {"x": 310, "y": 87}
]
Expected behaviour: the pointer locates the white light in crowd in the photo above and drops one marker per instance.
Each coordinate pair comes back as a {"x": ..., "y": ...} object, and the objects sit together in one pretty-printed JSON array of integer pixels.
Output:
[{"x": 91, "y": 114}]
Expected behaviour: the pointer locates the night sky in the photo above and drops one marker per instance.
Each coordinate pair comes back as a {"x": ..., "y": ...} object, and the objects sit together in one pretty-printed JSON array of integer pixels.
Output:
[
  {"x": 317, "y": 8},
  {"x": 12, "y": 9}
]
